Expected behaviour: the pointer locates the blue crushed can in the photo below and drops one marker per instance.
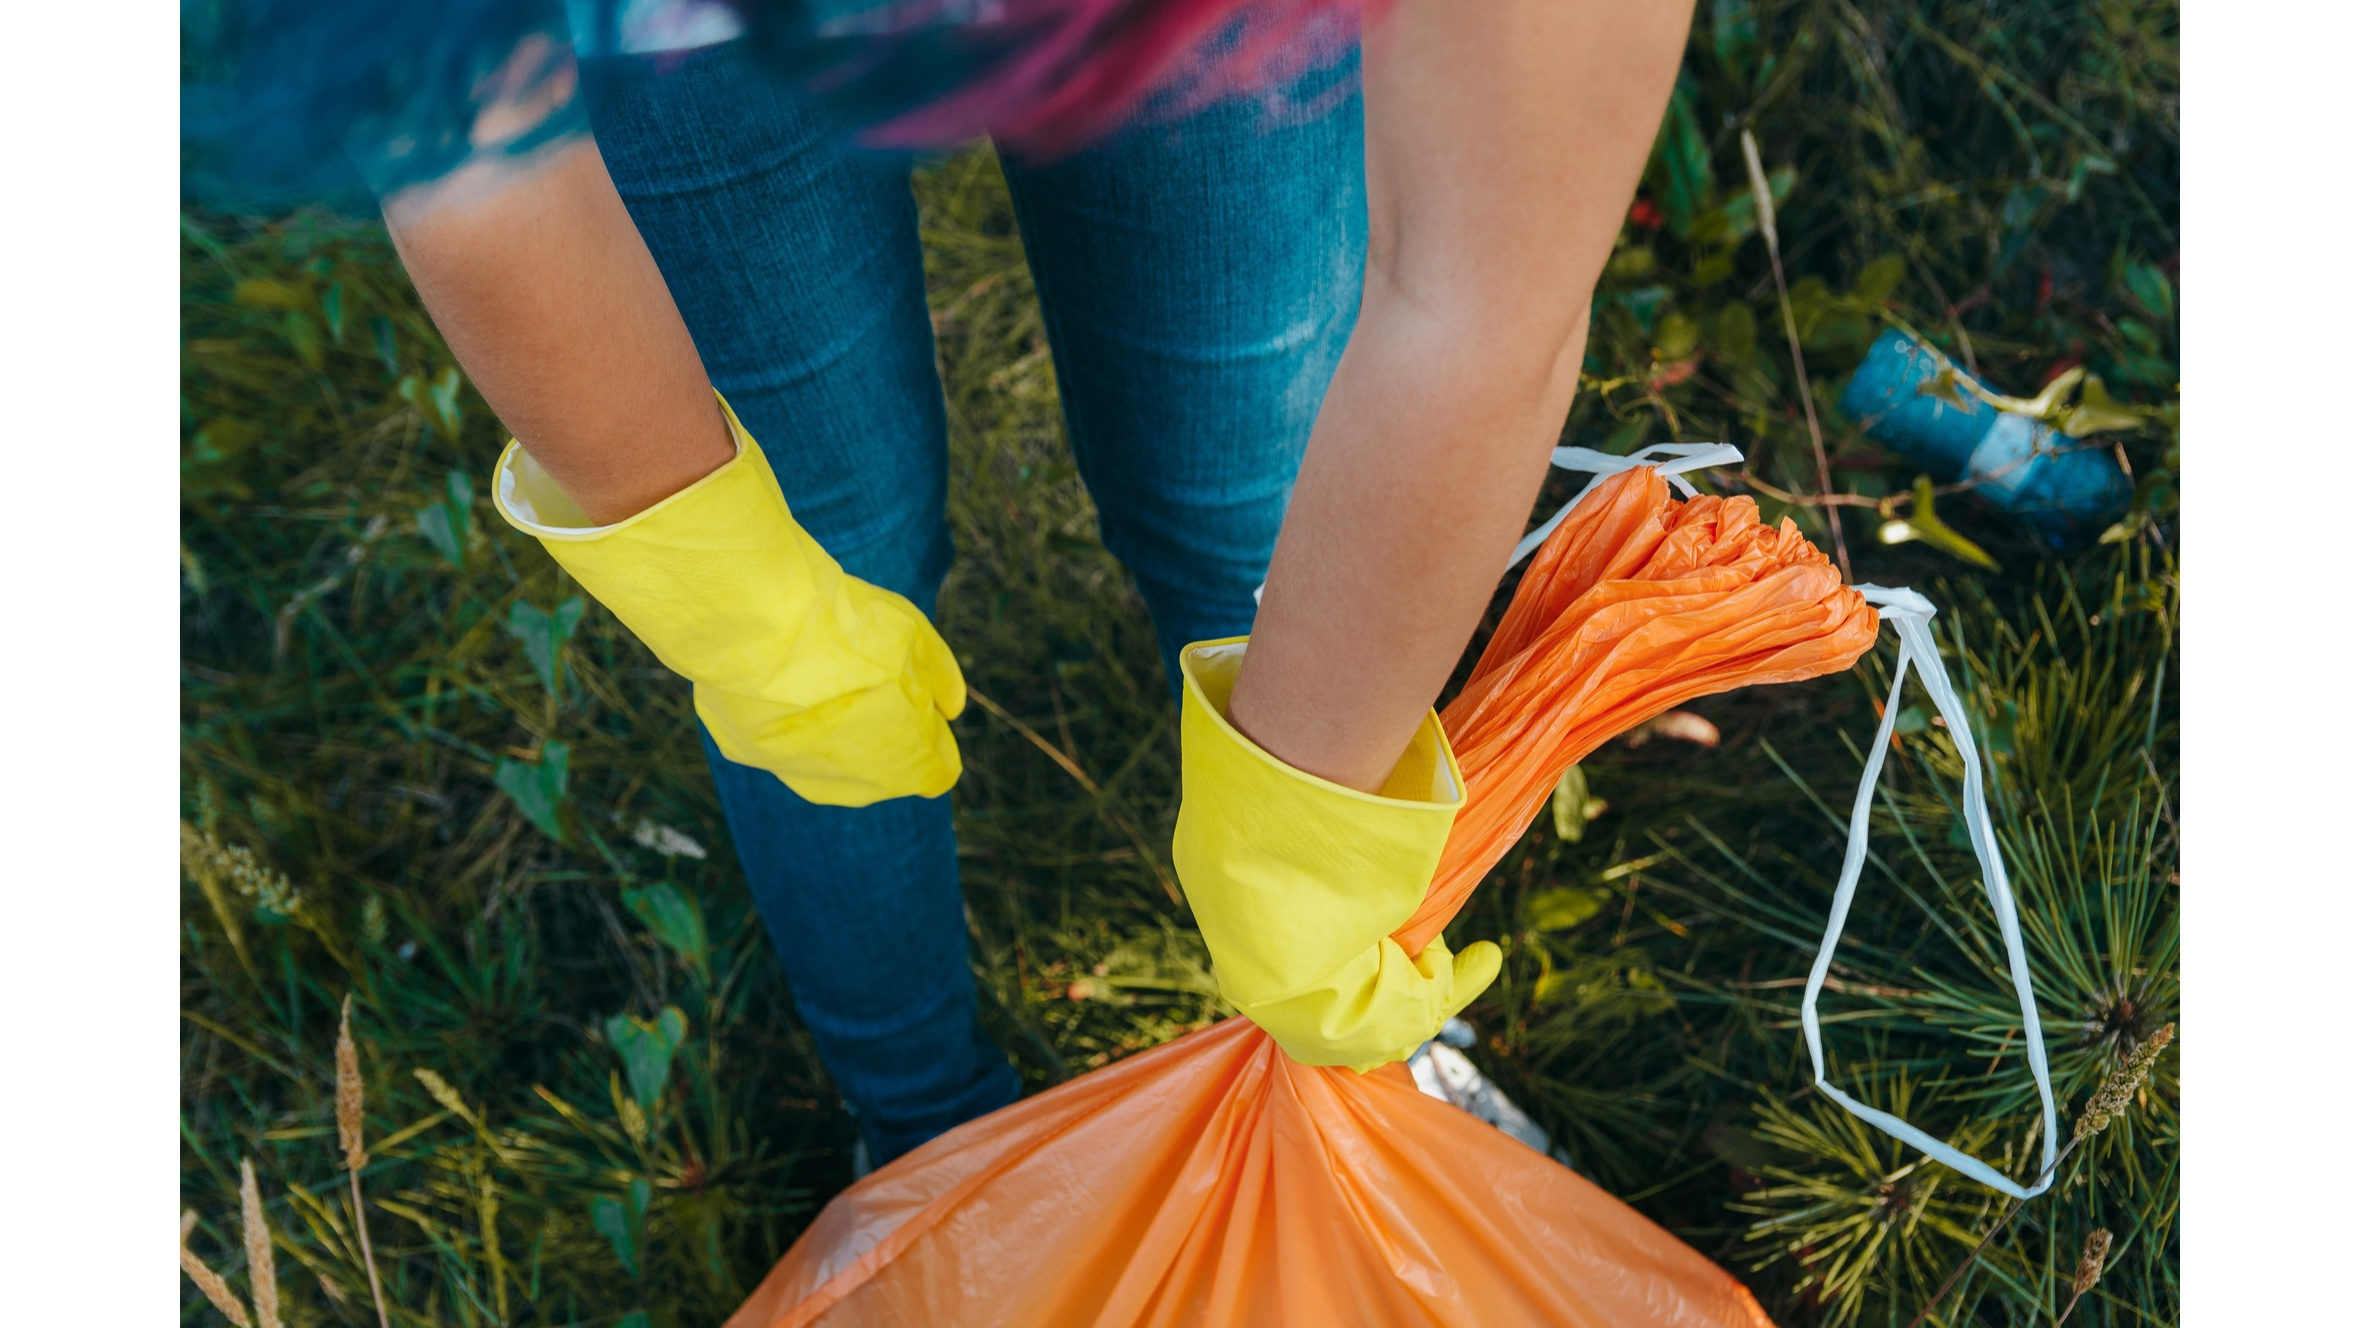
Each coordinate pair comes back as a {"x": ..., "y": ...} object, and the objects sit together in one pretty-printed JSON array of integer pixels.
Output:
[{"x": 2050, "y": 482}]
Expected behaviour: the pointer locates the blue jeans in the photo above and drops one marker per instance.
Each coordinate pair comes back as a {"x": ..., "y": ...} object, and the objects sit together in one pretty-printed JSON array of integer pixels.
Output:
[{"x": 1197, "y": 280}]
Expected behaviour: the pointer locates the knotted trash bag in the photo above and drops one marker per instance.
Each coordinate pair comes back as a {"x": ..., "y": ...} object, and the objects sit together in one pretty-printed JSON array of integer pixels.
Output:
[{"x": 1214, "y": 1183}]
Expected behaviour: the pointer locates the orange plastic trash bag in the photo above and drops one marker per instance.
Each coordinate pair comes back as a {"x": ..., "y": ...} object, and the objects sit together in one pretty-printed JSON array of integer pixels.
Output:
[{"x": 1214, "y": 1183}]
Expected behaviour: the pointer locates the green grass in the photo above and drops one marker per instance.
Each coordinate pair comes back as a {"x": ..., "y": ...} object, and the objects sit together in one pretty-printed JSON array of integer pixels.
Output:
[{"x": 379, "y": 679}]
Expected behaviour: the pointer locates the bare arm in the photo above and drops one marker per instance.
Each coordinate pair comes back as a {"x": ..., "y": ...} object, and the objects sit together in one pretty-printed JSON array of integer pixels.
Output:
[
  {"x": 548, "y": 298},
  {"x": 1505, "y": 138}
]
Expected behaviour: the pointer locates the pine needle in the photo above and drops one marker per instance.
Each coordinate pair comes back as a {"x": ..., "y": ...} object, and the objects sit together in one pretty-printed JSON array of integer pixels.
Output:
[{"x": 2123, "y": 1083}]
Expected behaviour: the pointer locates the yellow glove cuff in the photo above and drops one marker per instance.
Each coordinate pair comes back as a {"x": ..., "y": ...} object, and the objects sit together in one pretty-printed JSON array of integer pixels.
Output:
[{"x": 1297, "y": 882}]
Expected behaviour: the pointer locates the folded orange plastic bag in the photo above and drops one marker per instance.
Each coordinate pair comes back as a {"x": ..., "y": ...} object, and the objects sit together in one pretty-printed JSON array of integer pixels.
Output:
[{"x": 1213, "y": 1182}]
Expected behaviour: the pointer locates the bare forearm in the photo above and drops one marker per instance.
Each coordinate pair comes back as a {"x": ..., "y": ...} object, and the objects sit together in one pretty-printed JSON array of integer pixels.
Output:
[
  {"x": 1417, "y": 482},
  {"x": 1505, "y": 137},
  {"x": 549, "y": 299}
]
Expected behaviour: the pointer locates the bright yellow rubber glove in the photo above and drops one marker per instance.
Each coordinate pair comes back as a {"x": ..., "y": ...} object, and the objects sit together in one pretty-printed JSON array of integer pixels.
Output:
[
  {"x": 841, "y": 689},
  {"x": 1298, "y": 883}
]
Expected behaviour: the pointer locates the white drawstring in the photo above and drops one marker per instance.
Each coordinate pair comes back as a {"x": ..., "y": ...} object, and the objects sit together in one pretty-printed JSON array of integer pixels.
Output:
[
  {"x": 1911, "y": 614},
  {"x": 1671, "y": 460}
]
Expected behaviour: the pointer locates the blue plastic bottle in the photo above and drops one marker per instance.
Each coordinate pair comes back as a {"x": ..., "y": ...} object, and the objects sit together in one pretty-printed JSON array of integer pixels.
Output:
[{"x": 2060, "y": 493}]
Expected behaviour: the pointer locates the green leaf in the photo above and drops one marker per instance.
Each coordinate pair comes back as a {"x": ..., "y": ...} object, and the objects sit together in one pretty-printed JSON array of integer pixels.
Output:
[
  {"x": 1997, "y": 735},
  {"x": 1644, "y": 304},
  {"x": 647, "y": 1048},
  {"x": 332, "y": 308},
  {"x": 220, "y": 440},
  {"x": 434, "y": 522},
  {"x": 264, "y": 293},
  {"x": 1734, "y": 332},
  {"x": 1565, "y": 805},
  {"x": 446, "y": 401},
  {"x": 1628, "y": 437},
  {"x": 447, "y": 524},
  {"x": 387, "y": 353},
  {"x": 2018, "y": 208},
  {"x": 1878, "y": 278},
  {"x": 1848, "y": 333},
  {"x": 1923, "y": 524},
  {"x": 2085, "y": 166},
  {"x": 303, "y": 337},
  {"x": 544, "y": 635},
  {"x": 622, "y": 1220},
  {"x": 537, "y": 788},
  {"x": 2097, "y": 412},
  {"x": 2152, "y": 289},
  {"x": 1564, "y": 907},
  {"x": 1733, "y": 32},
  {"x": 1633, "y": 263},
  {"x": 436, "y": 403},
  {"x": 1944, "y": 387},
  {"x": 1676, "y": 335},
  {"x": 1684, "y": 168},
  {"x": 2154, "y": 495},
  {"x": 1571, "y": 808},
  {"x": 672, "y": 918}
]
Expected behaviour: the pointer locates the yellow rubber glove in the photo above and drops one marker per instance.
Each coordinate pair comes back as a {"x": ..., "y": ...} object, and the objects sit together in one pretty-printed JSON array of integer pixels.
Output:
[
  {"x": 841, "y": 689},
  {"x": 1298, "y": 883}
]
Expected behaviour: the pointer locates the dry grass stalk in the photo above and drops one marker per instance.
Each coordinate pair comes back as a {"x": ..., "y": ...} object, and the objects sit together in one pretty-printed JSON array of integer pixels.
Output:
[
  {"x": 441, "y": 1091},
  {"x": 1766, "y": 217},
  {"x": 214, "y": 1288},
  {"x": 488, "y": 1218},
  {"x": 200, "y": 859},
  {"x": 262, "y": 1275},
  {"x": 356, "y": 1151},
  {"x": 188, "y": 1224},
  {"x": 2094, "y": 1259},
  {"x": 348, "y": 1093},
  {"x": 2086, "y": 1273}
]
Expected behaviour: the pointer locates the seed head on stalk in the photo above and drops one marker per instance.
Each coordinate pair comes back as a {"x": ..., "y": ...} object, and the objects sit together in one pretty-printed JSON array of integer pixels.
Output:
[
  {"x": 2086, "y": 1273},
  {"x": 356, "y": 1151},
  {"x": 262, "y": 1275},
  {"x": 2123, "y": 1083}
]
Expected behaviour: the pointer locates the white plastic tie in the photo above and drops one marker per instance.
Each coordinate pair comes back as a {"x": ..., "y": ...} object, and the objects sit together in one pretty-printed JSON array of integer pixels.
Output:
[
  {"x": 1671, "y": 460},
  {"x": 1912, "y": 616}
]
